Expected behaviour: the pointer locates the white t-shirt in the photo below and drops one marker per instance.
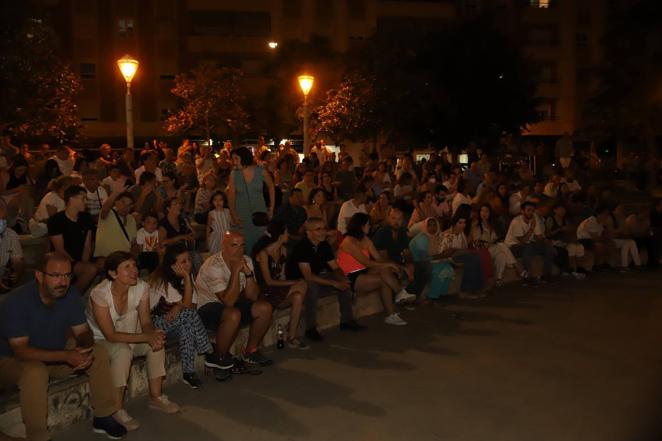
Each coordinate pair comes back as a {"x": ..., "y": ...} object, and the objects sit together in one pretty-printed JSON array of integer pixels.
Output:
[
  {"x": 170, "y": 293},
  {"x": 147, "y": 241},
  {"x": 458, "y": 200},
  {"x": 66, "y": 166},
  {"x": 515, "y": 203},
  {"x": 94, "y": 200},
  {"x": 127, "y": 322},
  {"x": 139, "y": 171},
  {"x": 347, "y": 210},
  {"x": 551, "y": 190},
  {"x": 113, "y": 185},
  {"x": 50, "y": 198},
  {"x": 214, "y": 276},
  {"x": 588, "y": 226},
  {"x": 519, "y": 227}
]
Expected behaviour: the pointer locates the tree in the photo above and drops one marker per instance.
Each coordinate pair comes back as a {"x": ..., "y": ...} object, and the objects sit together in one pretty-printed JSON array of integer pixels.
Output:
[
  {"x": 211, "y": 102},
  {"x": 39, "y": 88},
  {"x": 348, "y": 112},
  {"x": 628, "y": 102},
  {"x": 454, "y": 85}
]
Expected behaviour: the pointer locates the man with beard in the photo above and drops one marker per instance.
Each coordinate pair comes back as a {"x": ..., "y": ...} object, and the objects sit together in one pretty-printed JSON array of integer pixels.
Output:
[{"x": 36, "y": 322}]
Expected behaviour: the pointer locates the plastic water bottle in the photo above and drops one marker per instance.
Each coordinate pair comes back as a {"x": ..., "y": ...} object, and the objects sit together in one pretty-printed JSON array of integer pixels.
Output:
[{"x": 280, "y": 343}]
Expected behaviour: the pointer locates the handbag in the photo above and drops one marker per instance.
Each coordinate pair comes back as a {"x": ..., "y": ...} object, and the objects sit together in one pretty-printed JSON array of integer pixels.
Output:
[{"x": 259, "y": 218}]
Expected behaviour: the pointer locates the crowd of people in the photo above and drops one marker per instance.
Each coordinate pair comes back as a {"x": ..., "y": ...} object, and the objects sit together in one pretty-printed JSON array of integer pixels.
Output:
[{"x": 189, "y": 244}]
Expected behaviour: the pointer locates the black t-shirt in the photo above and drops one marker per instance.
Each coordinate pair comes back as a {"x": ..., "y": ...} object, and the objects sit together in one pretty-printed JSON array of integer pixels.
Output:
[
  {"x": 318, "y": 257},
  {"x": 384, "y": 240},
  {"x": 73, "y": 233}
]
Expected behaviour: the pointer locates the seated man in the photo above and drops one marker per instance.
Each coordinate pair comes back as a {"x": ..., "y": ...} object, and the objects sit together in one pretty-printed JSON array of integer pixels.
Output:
[
  {"x": 36, "y": 321},
  {"x": 117, "y": 228},
  {"x": 526, "y": 239},
  {"x": 393, "y": 244},
  {"x": 227, "y": 298},
  {"x": 70, "y": 232},
  {"x": 352, "y": 206},
  {"x": 292, "y": 214},
  {"x": 12, "y": 264},
  {"x": 312, "y": 259}
]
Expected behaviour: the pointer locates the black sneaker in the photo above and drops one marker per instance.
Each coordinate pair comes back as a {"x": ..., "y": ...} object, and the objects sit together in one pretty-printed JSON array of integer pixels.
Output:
[
  {"x": 314, "y": 335},
  {"x": 216, "y": 362},
  {"x": 109, "y": 427},
  {"x": 191, "y": 378},
  {"x": 352, "y": 326},
  {"x": 241, "y": 368},
  {"x": 224, "y": 375},
  {"x": 257, "y": 358}
]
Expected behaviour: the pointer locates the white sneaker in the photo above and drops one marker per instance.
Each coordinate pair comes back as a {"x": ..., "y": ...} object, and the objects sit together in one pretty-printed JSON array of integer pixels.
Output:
[
  {"x": 163, "y": 404},
  {"x": 395, "y": 320},
  {"x": 578, "y": 276},
  {"x": 129, "y": 423},
  {"x": 404, "y": 297}
]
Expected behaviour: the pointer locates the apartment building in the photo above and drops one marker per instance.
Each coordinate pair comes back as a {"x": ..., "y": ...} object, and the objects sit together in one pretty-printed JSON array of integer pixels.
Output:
[{"x": 562, "y": 37}]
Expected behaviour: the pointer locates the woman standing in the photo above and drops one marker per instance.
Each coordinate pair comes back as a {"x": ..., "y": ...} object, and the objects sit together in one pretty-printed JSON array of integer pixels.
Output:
[
  {"x": 172, "y": 300},
  {"x": 245, "y": 196},
  {"x": 119, "y": 316},
  {"x": 270, "y": 253}
]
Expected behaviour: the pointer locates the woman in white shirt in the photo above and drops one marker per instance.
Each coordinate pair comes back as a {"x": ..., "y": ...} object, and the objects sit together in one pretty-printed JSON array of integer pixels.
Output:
[
  {"x": 119, "y": 316},
  {"x": 454, "y": 244},
  {"x": 173, "y": 300}
]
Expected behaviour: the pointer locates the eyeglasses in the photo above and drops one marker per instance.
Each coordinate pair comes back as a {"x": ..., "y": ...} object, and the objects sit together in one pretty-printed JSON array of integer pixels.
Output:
[{"x": 67, "y": 276}]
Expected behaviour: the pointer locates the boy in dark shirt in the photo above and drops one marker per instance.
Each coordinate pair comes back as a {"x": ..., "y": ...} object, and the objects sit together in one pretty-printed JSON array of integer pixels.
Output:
[{"x": 70, "y": 233}]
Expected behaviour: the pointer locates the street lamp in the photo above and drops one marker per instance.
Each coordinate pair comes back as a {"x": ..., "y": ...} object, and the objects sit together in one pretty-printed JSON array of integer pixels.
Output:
[
  {"x": 273, "y": 44},
  {"x": 306, "y": 83},
  {"x": 128, "y": 66}
]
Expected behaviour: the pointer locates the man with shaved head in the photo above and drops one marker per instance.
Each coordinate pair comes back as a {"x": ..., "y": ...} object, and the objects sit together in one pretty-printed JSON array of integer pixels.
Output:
[{"x": 228, "y": 298}]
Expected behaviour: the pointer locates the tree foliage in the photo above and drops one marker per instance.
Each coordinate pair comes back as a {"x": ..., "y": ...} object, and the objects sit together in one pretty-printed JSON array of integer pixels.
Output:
[
  {"x": 453, "y": 85},
  {"x": 39, "y": 88},
  {"x": 211, "y": 102},
  {"x": 630, "y": 92},
  {"x": 348, "y": 112}
]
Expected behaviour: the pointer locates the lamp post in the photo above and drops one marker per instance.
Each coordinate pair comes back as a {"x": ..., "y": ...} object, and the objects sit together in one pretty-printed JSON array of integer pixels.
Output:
[
  {"x": 306, "y": 83},
  {"x": 128, "y": 66}
]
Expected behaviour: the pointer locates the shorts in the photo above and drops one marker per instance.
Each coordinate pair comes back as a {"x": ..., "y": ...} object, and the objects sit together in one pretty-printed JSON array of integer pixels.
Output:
[
  {"x": 276, "y": 295},
  {"x": 355, "y": 275},
  {"x": 211, "y": 313}
]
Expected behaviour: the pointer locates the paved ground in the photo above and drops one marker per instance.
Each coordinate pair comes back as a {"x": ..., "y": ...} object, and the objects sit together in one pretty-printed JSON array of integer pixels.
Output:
[{"x": 574, "y": 361}]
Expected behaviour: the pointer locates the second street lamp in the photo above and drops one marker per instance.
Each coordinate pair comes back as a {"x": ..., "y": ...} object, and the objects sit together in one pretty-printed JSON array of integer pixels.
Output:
[
  {"x": 306, "y": 83},
  {"x": 128, "y": 66}
]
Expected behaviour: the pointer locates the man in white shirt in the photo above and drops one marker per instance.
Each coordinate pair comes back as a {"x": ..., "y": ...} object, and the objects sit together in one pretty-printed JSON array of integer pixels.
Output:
[
  {"x": 526, "y": 239},
  {"x": 228, "y": 297},
  {"x": 150, "y": 162},
  {"x": 96, "y": 195},
  {"x": 461, "y": 197},
  {"x": 351, "y": 207},
  {"x": 516, "y": 199},
  {"x": 552, "y": 187},
  {"x": 593, "y": 234}
]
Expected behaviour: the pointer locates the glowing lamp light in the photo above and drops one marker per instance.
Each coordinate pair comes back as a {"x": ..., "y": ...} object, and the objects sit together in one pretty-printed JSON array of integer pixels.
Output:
[
  {"x": 128, "y": 66},
  {"x": 306, "y": 83},
  {"x": 273, "y": 44}
]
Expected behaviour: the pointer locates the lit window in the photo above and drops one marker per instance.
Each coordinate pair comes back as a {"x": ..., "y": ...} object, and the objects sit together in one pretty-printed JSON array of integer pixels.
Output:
[
  {"x": 542, "y": 4},
  {"x": 125, "y": 26}
]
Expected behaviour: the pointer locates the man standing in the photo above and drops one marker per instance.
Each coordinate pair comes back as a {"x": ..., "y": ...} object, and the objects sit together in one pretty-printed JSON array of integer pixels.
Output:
[
  {"x": 35, "y": 322},
  {"x": 117, "y": 229},
  {"x": 70, "y": 232},
  {"x": 96, "y": 195},
  {"x": 312, "y": 259},
  {"x": 525, "y": 238},
  {"x": 564, "y": 150},
  {"x": 227, "y": 298}
]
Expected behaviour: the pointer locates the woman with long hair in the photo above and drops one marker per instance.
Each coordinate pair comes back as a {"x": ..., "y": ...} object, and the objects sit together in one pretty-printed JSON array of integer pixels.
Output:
[
  {"x": 431, "y": 269},
  {"x": 367, "y": 271},
  {"x": 173, "y": 300},
  {"x": 119, "y": 316},
  {"x": 270, "y": 254},
  {"x": 484, "y": 236},
  {"x": 454, "y": 244}
]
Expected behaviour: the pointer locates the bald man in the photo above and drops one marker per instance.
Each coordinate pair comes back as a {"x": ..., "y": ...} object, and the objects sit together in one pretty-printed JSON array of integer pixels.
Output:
[{"x": 228, "y": 298}]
